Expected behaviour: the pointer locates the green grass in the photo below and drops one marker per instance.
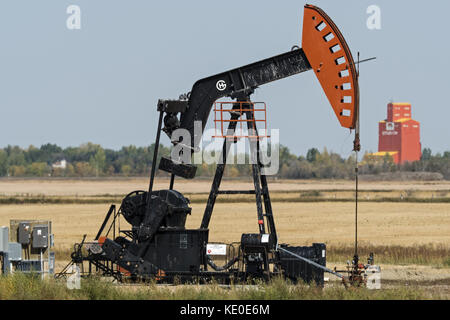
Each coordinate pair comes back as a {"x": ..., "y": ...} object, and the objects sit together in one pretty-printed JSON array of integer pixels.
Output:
[
  {"x": 447, "y": 262},
  {"x": 428, "y": 254},
  {"x": 20, "y": 287}
]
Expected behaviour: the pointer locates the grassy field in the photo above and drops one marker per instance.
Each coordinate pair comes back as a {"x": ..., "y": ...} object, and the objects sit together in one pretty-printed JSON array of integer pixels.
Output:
[
  {"x": 380, "y": 224},
  {"x": 19, "y": 287},
  {"x": 410, "y": 238},
  {"x": 93, "y": 191},
  {"x": 95, "y": 187}
]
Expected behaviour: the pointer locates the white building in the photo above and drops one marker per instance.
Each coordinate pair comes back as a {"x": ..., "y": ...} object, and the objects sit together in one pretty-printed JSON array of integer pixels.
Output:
[{"x": 60, "y": 164}]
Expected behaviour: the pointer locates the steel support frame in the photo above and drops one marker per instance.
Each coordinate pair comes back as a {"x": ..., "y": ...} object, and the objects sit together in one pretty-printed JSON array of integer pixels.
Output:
[{"x": 261, "y": 189}]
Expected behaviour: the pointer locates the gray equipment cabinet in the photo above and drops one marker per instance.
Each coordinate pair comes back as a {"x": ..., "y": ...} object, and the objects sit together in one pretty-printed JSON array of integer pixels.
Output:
[
  {"x": 4, "y": 239},
  {"x": 26, "y": 247},
  {"x": 40, "y": 236}
]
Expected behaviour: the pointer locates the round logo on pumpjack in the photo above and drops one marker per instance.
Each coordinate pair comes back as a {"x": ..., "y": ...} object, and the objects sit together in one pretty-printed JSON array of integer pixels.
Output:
[{"x": 221, "y": 85}]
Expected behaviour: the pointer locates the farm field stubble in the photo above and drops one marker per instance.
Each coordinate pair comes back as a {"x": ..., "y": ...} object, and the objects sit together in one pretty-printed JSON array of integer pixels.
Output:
[
  {"x": 92, "y": 187},
  {"x": 405, "y": 234},
  {"x": 403, "y": 224}
]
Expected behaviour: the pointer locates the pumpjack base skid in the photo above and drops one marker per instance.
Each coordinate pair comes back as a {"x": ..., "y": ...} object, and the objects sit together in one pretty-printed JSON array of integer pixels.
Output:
[{"x": 89, "y": 264}]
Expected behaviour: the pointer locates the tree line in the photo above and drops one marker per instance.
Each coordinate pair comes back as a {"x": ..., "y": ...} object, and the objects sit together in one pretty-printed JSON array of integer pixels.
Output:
[
  {"x": 92, "y": 160},
  {"x": 87, "y": 160},
  {"x": 329, "y": 165}
]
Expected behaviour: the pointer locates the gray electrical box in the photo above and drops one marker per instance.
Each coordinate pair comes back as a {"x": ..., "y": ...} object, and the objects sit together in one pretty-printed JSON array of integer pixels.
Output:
[
  {"x": 51, "y": 263},
  {"x": 4, "y": 239},
  {"x": 28, "y": 247},
  {"x": 14, "y": 251},
  {"x": 24, "y": 233},
  {"x": 40, "y": 236},
  {"x": 29, "y": 266}
]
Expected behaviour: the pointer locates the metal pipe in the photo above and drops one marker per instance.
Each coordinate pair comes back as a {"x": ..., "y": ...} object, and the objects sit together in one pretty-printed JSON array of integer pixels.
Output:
[
  {"x": 365, "y": 60},
  {"x": 105, "y": 221},
  {"x": 155, "y": 156},
  {"x": 172, "y": 180}
]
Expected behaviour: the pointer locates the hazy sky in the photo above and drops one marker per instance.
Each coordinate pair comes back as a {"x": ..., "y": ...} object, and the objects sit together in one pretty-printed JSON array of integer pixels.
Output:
[{"x": 101, "y": 83}]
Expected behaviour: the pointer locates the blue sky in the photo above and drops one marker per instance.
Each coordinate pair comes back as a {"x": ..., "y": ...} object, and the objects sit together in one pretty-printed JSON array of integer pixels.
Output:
[{"x": 101, "y": 83}]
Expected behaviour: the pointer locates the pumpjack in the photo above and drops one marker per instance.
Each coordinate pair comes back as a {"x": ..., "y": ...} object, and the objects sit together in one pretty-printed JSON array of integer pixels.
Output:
[{"x": 159, "y": 246}]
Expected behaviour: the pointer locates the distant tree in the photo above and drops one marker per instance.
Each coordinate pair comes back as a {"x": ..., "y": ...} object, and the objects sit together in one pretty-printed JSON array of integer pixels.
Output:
[
  {"x": 125, "y": 170},
  {"x": 83, "y": 169},
  {"x": 70, "y": 170},
  {"x": 232, "y": 171},
  {"x": 91, "y": 159},
  {"x": 297, "y": 169},
  {"x": 98, "y": 162},
  {"x": 388, "y": 163},
  {"x": 3, "y": 163},
  {"x": 110, "y": 171},
  {"x": 426, "y": 154},
  {"x": 37, "y": 169},
  {"x": 58, "y": 172},
  {"x": 50, "y": 148},
  {"x": 16, "y": 156},
  {"x": 285, "y": 155},
  {"x": 32, "y": 154},
  {"x": 17, "y": 171},
  {"x": 312, "y": 154}
]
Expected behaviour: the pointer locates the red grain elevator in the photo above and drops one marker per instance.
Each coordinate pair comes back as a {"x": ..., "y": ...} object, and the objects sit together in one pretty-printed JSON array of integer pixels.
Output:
[{"x": 399, "y": 134}]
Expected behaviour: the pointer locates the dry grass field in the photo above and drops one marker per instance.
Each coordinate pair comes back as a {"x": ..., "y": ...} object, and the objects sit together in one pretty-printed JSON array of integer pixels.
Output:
[
  {"x": 297, "y": 223},
  {"x": 393, "y": 228},
  {"x": 92, "y": 187},
  {"x": 380, "y": 223}
]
